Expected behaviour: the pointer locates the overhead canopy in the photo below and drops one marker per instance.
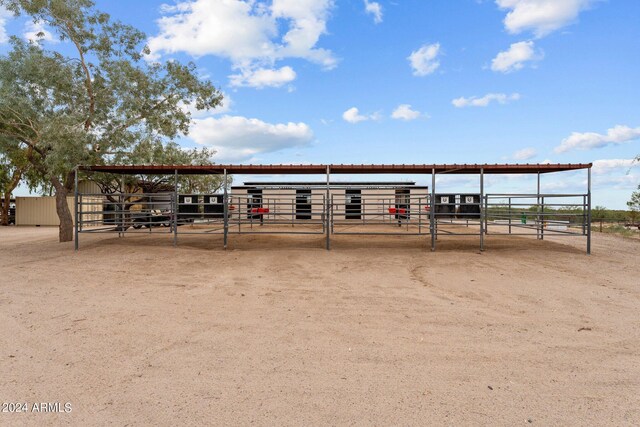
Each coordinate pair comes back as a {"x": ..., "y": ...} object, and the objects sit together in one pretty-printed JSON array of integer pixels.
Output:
[{"x": 336, "y": 169}]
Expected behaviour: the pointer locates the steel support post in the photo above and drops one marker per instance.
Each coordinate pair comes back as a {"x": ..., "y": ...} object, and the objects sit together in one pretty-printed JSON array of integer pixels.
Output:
[
  {"x": 419, "y": 214},
  {"x": 328, "y": 209},
  {"x": 176, "y": 207},
  {"x": 589, "y": 211},
  {"x": 75, "y": 203},
  {"x": 122, "y": 204},
  {"x": 225, "y": 200},
  {"x": 486, "y": 210},
  {"x": 584, "y": 215},
  {"x": 432, "y": 216},
  {"x": 543, "y": 221},
  {"x": 538, "y": 208},
  {"x": 483, "y": 211},
  {"x": 509, "y": 215}
]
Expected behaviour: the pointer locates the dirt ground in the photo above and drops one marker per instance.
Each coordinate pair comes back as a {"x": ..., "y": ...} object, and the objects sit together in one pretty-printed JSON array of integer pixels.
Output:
[{"x": 276, "y": 330}]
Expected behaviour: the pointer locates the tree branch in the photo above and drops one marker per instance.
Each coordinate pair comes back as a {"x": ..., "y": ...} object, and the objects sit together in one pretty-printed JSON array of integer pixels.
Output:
[{"x": 88, "y": 85}]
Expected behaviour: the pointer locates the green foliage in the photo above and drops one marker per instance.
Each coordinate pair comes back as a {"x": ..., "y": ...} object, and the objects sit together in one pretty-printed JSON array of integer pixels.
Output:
[
  {"x": 15, "y": 167},
  {"x": 105, "y": 95},
  {"x": 634, "y": 204},
  {"x": 60, "y": 110},
  {"x": 599, "y": 213},
  {"x": 621, "y": 230}
]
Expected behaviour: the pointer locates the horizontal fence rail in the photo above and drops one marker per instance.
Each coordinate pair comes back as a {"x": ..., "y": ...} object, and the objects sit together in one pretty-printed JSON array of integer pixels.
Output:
[
  {"x": 382, "y": 213},
  {"x": 124, "y": 212},
  {"x": 277, "y": 213},
  {"x": 544, "y": 214},
  {"x": 378, "y": 211}
]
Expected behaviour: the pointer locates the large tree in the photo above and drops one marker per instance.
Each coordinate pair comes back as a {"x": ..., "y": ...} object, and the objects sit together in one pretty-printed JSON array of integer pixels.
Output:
[{"x": 96, "y": 93}]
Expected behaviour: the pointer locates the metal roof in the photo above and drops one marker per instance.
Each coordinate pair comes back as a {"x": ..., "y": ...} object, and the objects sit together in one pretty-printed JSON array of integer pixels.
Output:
[
  {"x": 324, "y": 183},
  {"x": 337, "y": 169}
]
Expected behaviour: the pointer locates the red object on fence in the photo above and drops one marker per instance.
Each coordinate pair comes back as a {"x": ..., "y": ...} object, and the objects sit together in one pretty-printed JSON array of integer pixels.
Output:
[
  {"x": 427, "y": 208},
  {"x": 260, "y": 210},
  {"x": 397, "y": 211},
  {"x": 231, "y": 207}
]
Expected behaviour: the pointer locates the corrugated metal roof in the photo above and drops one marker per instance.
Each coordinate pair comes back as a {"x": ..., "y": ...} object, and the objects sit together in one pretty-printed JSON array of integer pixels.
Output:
[
  {"x": 334, "y": 183},
  {"x": 338, "y": 169}
]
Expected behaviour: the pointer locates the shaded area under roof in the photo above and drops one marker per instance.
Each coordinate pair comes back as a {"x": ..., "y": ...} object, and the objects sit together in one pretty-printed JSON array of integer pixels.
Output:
[{"x": 337, "y": 169}]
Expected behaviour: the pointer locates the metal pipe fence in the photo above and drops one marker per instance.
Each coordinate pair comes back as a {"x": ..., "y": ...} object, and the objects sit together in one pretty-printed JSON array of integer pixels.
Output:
[
  {"x": 544, "y": 214},
  {"x": 382, "y": 213},
  {"x": 277, "y": 213},
  {"x": 124, "y": 212}
]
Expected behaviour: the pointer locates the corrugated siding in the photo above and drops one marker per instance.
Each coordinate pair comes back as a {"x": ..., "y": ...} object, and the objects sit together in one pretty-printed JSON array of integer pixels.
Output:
[
  {"x": 38, "y": 210},
  {"x": 88, "y": 187}
]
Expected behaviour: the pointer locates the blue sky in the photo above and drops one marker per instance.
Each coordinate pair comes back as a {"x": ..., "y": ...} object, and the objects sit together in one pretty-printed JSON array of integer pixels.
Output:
[{"x": 464, "y": 81}]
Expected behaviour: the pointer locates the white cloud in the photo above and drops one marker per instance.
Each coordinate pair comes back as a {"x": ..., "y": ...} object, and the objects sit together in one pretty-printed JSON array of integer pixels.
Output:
[
  {"x": 514, "y": 58},
  {"x": 540, "y": 16},
  {"x": 307, "y": 21},
  {"x": 36, "y": 31},
  {"x": 605, "y": 166},
  {"x": 352, "y": 115},
  {"x": 500, "y": 98},
  {"x": 404, "y": 112},
  {"x": 263, "y": 77},
  {"x": 374, "y": 9},
  {"x": 525, "y": 154},
  {"x": 253, "y": 35},
  {"x": 234, "y": 29},
  {"x": 238, "y": 138},
  {"x": 221, "y": 109},
  {"x": 424, "y": 60},
  {"x": 616, "y": 174},
  {"x": 5, "y": 15},
  {"x": 588, "y": 140}
]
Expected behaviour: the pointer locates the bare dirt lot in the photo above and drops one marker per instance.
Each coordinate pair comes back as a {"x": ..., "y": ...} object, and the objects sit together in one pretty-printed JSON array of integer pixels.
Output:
[{"x": 276, "y": 330}]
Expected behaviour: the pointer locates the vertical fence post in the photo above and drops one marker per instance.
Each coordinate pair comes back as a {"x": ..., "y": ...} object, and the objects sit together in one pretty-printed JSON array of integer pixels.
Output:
[
  {"x": 419, "y": 214},
  {"x": 328, "y": 208},
  {"x": 543, "y": 220},
  {"x": 122, "y": 204},
  {"x": 176, "y": 207},
  {"x": 483, "y": 210},
  {"x": 538, "y": 208},
  {"x": 225, "y": 200},
  {"x": 432, "y": 216},
  {"x": 589, "y": 211},
  {"x": 75, "y": 203},
  {"x": 486, "y": 210},
  {"x": 509, "y": 215},
  {"x": 240, "y": 210}
]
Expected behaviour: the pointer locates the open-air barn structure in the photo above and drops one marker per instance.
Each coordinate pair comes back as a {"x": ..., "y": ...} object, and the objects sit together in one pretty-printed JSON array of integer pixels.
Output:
[{"x": 332, "y": 207}]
